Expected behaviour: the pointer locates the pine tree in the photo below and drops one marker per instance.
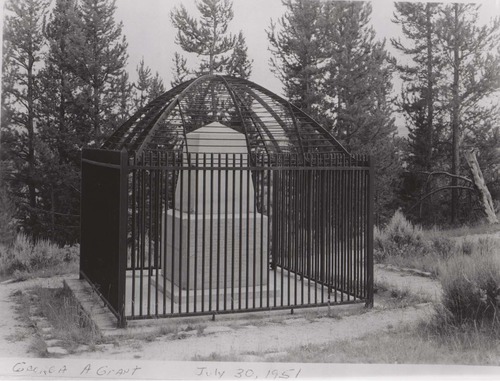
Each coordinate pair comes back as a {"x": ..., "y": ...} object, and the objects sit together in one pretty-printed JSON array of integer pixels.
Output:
[
  {"x": 180, "y": 71},
  {"x": 60, "y": 130},
  {"x": 156, "y": 87},
  {"x": 358, "y": 104},
  {"x": 298, "y": 49},
  {"x": 455, "y": 71},
  {"x": 208, "y": 38},
  {"x": 147, "y": 87},
  {"x": 22, "y": 54},
  {"x": 471, "y": 54},
  {"x": 126, "y": 102},
  {"x": 358, "y": 80},
  {"x": 142, "y": 85},
  {"x": 102, "y": 62},
  {"x": 331, "y": 65},
  {"x": 422, "y": 81}
]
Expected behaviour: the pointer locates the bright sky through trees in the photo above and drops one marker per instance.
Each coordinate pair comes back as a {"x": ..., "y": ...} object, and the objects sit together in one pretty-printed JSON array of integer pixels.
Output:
[{"x": 150, "y": 33}]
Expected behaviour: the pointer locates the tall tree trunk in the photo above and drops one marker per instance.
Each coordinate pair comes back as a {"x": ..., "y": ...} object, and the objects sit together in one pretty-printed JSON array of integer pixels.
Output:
[
  {"x": 455, "y": 118},
  {"x": 430, "y": 90},
  {"x": 31, "y": 144},
  {"x": 430, "y": 105}
]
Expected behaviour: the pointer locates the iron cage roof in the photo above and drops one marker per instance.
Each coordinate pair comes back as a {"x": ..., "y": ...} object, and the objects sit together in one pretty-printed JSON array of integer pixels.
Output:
[{"x": 270, "y": 123}]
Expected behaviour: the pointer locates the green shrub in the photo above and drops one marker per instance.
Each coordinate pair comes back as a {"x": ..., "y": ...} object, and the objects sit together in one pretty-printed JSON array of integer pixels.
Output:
[{"x": 471, "y": 284}]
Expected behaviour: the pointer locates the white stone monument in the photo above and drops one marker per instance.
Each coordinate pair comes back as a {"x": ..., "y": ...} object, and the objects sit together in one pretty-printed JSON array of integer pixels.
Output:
[{"x": 196, "y": 235}]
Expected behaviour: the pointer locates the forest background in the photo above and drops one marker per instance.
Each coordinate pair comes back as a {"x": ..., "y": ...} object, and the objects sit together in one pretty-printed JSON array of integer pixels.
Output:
[{"x": 416, "y": 102}]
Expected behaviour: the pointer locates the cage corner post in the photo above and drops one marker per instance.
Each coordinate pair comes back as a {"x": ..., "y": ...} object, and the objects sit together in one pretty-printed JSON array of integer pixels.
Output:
[
  {"x": 122, "y": 236},
  {"x": 369, "y": 248},
  {"x": 82, "y": 226}
]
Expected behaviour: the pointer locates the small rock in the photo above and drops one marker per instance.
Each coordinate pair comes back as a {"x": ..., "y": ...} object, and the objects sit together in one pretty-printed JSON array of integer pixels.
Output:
[
  {"x": 57, "y": 351},
  {"x": 216, "y": 329},
  {"x": 296, "y": 321},
  {"x": 105, "y": 347},
  {"x": 250, "y": 358},
  {"x": 275, "y": 355},
  {"x": 82, "y": 348},
  {"x": 52, "y": 342},
  {"x": 46, "y": 330},
  {"x": 185, "y": 334}
]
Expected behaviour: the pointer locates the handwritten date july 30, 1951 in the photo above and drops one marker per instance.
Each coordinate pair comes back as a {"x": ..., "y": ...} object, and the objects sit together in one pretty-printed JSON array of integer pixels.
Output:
[{"x": 247, "y": 373}]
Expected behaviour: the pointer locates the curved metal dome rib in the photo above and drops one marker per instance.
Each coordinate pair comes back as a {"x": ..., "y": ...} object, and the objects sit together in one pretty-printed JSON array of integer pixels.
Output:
[{"x": 270, "y": 123}]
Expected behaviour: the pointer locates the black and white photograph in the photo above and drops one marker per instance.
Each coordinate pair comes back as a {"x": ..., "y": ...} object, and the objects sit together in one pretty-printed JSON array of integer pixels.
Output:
[{"x": 250, "y": 189}]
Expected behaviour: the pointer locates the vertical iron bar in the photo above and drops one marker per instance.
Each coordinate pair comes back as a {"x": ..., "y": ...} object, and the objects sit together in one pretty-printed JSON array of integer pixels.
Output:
[
  {"x": 157, "y": 230},
  {"x": 356, "y": 231},
  {"x": 303, "y": 229},
  {"x": 122, "y": 237},
  {"x": 269, "y": 238},
  {"x": 369, "y": 268},
  {"x": 175, "y": 183},
  {"x": 296, "y": 228},
  {"x": 181, "y": 226},
  {"x": 165, "y": 238},
  {"x": 247, "y": 226},
  {"x": 142, "y": 235},
  {"x": 196, "y": 211},
  {"x": 188, "y": 240},
  {"x": 282, "y": 224},
  {"x": 219, "y": 175},
  {"x": 338, "y": 221},
  {"x": 288, "y": 209},
  {"x": 134, "y": 236},
  {"x": 210, "y": 277},
  {"x": 260, "y": 183},
  {"x": 240, "y": 240},
  {"x": 233, "y": 219},
  {"x": 150, "y": 219},
  {"x": 203, "y": 236},
  {"x": 226, "y": 193},
  {"x": 349, "y": 232},
  {"x": 254, "y": 256}
]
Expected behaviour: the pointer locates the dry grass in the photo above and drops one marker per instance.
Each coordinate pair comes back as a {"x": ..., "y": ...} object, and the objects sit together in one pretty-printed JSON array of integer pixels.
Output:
[
  {"x": 24, "y": 259},
  {"x": 70, "y": 325},
  {"x": 406, "y": 345},
  {"x": 482, "y": 228},
  {"x": 404, "y": 244},
  {"x": 392, "y": 297},
  {"x": 471, "y": 286}
]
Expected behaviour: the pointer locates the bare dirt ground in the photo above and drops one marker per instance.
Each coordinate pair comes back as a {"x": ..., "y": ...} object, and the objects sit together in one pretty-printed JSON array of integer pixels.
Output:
[
  {"x": 258, "y": 337},
  {"x": 256, "y": 342}
]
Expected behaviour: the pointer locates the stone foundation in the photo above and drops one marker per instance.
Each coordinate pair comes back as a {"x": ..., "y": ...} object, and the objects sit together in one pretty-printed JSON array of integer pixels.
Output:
[{"x": 188, "y": 243}]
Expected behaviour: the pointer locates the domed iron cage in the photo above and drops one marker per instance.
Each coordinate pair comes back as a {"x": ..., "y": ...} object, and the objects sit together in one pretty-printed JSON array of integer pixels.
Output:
[{"x": 219, "y": 197}]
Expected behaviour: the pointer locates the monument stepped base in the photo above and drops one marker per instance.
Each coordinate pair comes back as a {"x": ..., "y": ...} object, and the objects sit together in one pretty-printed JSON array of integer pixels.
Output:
[
  {"x": 229, "y": 294},
  {"x": 202, "y": 246}
]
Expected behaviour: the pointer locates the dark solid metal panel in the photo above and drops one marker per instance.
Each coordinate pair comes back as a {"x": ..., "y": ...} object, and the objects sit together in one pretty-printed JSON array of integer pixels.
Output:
[{"x": 102, "y": 230}]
